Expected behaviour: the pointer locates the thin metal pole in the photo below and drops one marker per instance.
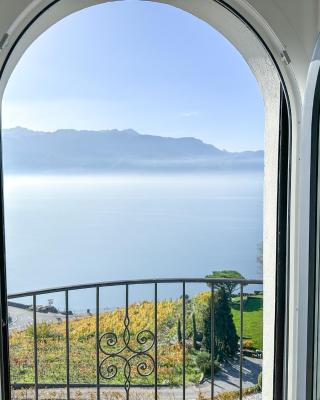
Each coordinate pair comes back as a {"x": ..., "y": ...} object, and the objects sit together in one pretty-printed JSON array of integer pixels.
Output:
[
  {"x": 241, "y": 339},
  {"x": 212, "y": 341},
  {"x": 156, "y": 341},
  {"x": 67, "y": 344},
  {"x": 184, "y": 339},
  {"x": 127, "y": 384},
  {"x": 35, "y": 347},
  {"x": 97, "y": 340}
]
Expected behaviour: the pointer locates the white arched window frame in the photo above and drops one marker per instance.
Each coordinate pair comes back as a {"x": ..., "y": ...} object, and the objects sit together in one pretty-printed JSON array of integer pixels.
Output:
[{"x": 269, "y": 62}]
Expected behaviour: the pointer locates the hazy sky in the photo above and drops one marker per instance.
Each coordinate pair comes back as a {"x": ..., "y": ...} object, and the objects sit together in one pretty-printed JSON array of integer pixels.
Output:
[{"x": 140, "y": 65}]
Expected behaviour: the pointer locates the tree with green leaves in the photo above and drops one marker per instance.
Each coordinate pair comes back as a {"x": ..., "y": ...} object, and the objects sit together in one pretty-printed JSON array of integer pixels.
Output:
[
  {"x": 230, "y": 287},
  {"x": 225, "y": 334}
]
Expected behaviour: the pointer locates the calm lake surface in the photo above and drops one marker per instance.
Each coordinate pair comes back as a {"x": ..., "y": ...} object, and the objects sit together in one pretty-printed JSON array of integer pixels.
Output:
[{"x": 63, "y": 230}]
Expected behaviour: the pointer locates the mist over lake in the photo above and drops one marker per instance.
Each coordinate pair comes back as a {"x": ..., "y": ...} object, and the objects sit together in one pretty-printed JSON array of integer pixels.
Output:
[
  {"x": 63, "y": 230},
  {"x": 69, "y": 151}
]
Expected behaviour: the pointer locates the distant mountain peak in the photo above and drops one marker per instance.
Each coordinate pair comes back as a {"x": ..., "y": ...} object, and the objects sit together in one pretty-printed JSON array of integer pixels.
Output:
[
  {"x": 129, "y": 132},
  {"x": 70, "y": 150}
]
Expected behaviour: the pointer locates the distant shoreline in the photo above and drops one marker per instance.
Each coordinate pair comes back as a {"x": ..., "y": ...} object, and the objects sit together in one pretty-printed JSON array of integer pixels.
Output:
[
  {"x": 130, "y": 173},
  {"x": 114, "y": 151}
]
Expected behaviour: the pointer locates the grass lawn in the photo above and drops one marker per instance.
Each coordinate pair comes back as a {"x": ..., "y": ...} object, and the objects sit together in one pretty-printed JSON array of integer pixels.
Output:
[{"x": 252, "y": 318}]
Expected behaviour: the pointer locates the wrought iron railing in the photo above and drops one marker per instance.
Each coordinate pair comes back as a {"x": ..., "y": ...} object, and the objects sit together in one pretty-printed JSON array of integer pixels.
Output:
[{"x": 140, "y": 354}]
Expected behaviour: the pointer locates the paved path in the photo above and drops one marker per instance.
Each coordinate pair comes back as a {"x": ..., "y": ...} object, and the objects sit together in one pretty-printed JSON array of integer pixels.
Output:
[
  {"x": 115, "y": 394},
  {"x": 226, "y": 380},
  {"x": 21, "y": 318}
]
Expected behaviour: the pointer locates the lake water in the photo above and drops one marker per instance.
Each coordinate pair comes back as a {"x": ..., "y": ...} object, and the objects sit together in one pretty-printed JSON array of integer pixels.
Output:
[{"x": 63, "y": 230}]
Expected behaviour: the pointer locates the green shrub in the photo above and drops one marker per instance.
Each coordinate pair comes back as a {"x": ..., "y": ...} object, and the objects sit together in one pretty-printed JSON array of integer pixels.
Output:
[
  {"x": 203, "y": 361},
  {"x": 44, "y": 331}
]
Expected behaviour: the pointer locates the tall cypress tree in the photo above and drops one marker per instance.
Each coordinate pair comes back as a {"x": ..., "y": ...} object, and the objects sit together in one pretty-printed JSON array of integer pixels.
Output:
[
  {"x": 179, "y": 333},
  {"x": 225, "y": 334},
  {"x": 194, "y": 332}
]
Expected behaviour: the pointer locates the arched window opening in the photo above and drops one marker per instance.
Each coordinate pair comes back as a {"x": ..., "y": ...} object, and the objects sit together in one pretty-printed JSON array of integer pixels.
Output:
[{"x": 134, "y": 158}]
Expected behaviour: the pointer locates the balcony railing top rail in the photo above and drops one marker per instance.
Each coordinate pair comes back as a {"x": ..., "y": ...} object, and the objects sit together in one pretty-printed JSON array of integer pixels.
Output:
[
  {"x": 212, "y": 281},
  {"x": 139, "y": 352}
]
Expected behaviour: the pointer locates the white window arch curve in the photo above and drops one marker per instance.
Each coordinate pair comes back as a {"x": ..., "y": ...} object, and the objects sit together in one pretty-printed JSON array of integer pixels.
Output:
[{"x": 268, "y": 61}]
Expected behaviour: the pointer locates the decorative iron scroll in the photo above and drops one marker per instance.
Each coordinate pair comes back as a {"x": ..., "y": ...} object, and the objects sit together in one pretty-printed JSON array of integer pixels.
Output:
[{"x": 131, "y": 358}]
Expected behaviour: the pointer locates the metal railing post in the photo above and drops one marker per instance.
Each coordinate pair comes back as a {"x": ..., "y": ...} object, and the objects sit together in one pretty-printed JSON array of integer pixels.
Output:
[
  {"x": 212, "y": 341},
  {"x": 241, "y": 341},
  {"x": 67, "y": 344},
  {"x": 35, "y": 346},
  {"x": 98, "y": 341},
  {"x": 184, "y": 339},
  {"x": 156, "y": 341}
]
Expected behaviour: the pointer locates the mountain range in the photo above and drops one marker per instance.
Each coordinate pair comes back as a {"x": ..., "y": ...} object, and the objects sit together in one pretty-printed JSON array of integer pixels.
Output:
[{"x": 76, "y": 151}]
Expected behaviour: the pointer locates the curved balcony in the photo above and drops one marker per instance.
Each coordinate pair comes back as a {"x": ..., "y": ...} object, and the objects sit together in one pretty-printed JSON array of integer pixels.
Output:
[{"x": 137, "y": 350}]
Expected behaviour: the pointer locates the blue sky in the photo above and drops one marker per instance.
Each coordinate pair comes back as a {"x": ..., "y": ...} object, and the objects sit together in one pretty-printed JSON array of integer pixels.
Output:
[{"x": 140, "y": 65}]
